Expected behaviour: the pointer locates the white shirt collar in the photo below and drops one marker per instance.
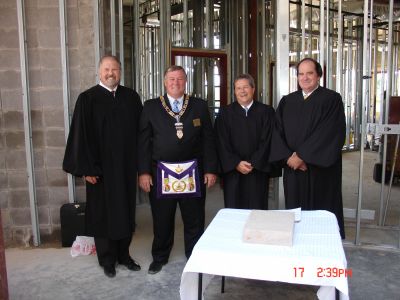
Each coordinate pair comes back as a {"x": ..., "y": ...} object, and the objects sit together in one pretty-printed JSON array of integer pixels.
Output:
[
  {"x": 248, "y": 106},
  {"x": 308, "y": 94},
  {"x": 107, "y": 88},
  {"x": 171, "y": 99}
]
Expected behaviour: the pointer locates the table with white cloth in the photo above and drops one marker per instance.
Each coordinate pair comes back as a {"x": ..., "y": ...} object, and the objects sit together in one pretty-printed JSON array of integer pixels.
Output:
[{"x": 316, "y": 257}]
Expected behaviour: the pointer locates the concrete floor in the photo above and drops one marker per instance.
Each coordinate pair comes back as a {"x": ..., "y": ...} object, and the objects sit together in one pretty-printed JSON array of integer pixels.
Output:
[{"x": 51, "y": 273}]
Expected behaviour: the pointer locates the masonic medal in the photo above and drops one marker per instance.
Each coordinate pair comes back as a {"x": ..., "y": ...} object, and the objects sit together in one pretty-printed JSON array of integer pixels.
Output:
[{"x": 179, "y": 129}]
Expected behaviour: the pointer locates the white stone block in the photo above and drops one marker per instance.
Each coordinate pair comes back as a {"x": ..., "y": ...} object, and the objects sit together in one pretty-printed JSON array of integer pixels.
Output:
[{"x": 269, "y": 228}]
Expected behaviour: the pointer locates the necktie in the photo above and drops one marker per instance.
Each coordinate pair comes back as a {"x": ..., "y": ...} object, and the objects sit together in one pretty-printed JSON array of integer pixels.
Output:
[
  {"x": 306, "y": 96},
  {"x": 175, "y": 107},
  {"x": 246, "y": 109},
  {"x": 113, "y": 93}
]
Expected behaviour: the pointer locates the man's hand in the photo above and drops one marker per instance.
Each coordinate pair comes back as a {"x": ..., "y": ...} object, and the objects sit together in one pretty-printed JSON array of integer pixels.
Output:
[
  {"x": 91, "y": 179},
  {"x": 210, "y": 179},
  {"x": 295, "y": 162},
  {"x": 244, "y": 167},
  {"x": 145, "y": 181}
]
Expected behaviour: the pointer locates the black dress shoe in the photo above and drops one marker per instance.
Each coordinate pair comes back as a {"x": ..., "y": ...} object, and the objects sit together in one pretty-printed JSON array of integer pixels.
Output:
[
  {"x": 132, "y": 265},
  {"x": 109, "y": 271},
  {"x": 155, "y": 267}
]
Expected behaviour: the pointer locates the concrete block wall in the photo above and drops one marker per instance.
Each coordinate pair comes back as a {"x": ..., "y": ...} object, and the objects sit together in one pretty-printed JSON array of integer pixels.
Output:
[{"x": 47, "y": 116}]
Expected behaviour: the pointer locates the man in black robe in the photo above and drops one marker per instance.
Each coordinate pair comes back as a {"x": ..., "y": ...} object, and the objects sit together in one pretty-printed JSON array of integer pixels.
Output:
[
  {"x": 308, "y": 140},
  {"x": 175, "y": 128},
  {"x": 102, "y": 147},
  {"x": 244, "y": 130}
]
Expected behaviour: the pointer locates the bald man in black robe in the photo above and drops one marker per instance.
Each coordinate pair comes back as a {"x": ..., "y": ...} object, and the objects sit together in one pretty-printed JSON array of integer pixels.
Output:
[
  {"x": 244, "y": 130},
  {"x": 308, "y": 140},
  {"x": 102, "y": 147}
]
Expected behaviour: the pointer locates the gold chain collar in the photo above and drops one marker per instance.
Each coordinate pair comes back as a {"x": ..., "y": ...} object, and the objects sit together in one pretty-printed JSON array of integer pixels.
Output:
[{"x": 170, "y": 112}]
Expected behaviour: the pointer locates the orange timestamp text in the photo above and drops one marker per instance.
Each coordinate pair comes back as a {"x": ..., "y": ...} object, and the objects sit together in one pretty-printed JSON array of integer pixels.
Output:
[{"x": 328, "y": 272}]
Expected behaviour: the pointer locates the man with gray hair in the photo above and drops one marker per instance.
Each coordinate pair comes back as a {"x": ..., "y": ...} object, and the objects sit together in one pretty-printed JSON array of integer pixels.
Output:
[{"x": 244, "y": 130}]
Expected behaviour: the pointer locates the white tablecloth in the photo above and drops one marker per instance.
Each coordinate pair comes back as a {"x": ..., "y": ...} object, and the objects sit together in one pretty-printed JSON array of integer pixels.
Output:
[{"x": 221, "y": 251}]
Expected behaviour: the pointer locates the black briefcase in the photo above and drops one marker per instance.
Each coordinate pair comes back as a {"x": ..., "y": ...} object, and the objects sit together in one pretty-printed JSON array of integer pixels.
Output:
[
  {"x": 72, "y": 219},
  {"x": 377, "y": 175}
]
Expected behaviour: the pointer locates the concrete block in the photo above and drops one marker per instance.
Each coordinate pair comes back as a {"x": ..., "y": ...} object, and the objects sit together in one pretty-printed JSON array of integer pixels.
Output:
[
  {"x": 43, "y": 17},
  {"x": 58, "y": 195},
  {"x": 72, "y": 3},
  {"x": 51, "y": 98},
  {"x": 53, "y": 118},
  {"x": 37, "y": 119},
  {"x": 55, "y": 215},
  {"x": 45, "y": 231},
  {"x": 7, "y": 235},
  {"x": 9, "y": 38},
  {"x": 15, "y": 140},
  {"x": 37, "y": 139},
  {"x": 2, "y": 159},
  {"x": 18, "y": 199},
  {"x": 85, "y": 3},
  {"x": 22, "y": 236},
  {"x": 50, "y": 59},
  {"x": 49, "y": 38},
  {"x": 47, "y": 3},
  {"x": 32, "y": 40},
  {"x": 42, "y": 196},
  {"x": 13, "y": 120},
  {"x": 11, "y": 79},
  {"x": 86, "y": 39},
  {"x": 44, "y": 216},
  {"x": 51, "y": 78},
  {"x": 73, "y": 41},
  {"x": 31, "y": 3},
  {"x": 35, "y": 78},
  {"x": 4, "y": 200},
  {"x": 9, "y": 58},
  {"x": 8, "y": 17},
  {"x": 2, "y": 141},
  {"x": 5, "y": 217},
  {"x": 16, "y": 159},
  {"x": 38, "y": 158},
  {"x": 40, "y": 177},
  {"x": 74, "y": 93},
  {"x": 54, "y": 157},
  {"x": 57, "y": 177},
  {"x": 17, "y": 179},
  {"x": 72, "y": 17},
  {"x": 88, "y": 78},
  {"x": 3, "y": 179},
  {"x": 86, "y": 17},
  {"x": 11, "y": 99},
  {"x": 75, "y": 77},
  {"x": 55, "y": 138},
  {"x": 8, "y": 4},
  {"x": 34, "y": 61},
  {"x": 35, "y": 100}
]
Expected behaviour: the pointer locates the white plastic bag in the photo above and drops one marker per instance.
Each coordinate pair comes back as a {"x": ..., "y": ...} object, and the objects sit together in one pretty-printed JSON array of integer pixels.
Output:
[{"x": 83, "y": 245}]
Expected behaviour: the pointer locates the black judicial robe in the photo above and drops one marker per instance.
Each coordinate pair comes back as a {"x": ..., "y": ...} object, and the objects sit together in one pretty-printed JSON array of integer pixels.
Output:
[
  {"x": 245, "y": 138},
  {"x": 315, "y": 129},
  {"x": 158, "y": 139},
  {"x": 103, "y": 142}
]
